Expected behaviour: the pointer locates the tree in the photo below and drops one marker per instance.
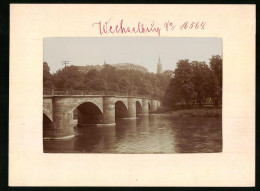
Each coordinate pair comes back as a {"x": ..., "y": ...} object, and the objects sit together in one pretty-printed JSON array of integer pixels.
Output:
[
  {"x": 112, "y": 79},
  {"x": 88, "y": 78},
  {"x": 97, "y": 85},
  {"x": 109, "y": 73},
  {"x": 47, "y": 77},
  {"x": 196, "y": 82},
  {"x": 68, "y": 78},
  {"x": 112, "y": 86},
  {"x": 182, "y": 87},
  {"x": 201, "y": 75},
  {"x": 124, "y": 85},
  {"x": 216, "y": 67}
]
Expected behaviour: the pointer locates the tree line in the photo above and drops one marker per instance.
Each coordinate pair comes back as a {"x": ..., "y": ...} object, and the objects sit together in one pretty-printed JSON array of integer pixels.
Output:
[
  {"x": 195, "y": 83},
  {"x": 109, "y": 78},
  {"x": 191, "y": 83}
]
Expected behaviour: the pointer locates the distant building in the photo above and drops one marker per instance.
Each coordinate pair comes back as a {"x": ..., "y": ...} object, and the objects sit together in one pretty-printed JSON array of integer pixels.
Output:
[
  {"x": 120, "y": 66},
  {"x": 159, "y": 67},
  {"x": 130, "y": 66},
  {"x": 160, "y": 70},
  {"x": 85, "y": 69}
]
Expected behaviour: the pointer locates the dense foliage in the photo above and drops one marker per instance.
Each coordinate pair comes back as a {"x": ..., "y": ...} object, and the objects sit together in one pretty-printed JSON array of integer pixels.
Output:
[
  {"x": 191, "y": 83},
  {"x": 196, "y": 83},
  {"x": 108, "y": 78}
]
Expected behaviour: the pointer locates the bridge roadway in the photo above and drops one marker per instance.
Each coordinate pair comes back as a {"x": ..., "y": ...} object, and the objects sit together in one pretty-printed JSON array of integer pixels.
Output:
[{"x": 59, "y": 111}]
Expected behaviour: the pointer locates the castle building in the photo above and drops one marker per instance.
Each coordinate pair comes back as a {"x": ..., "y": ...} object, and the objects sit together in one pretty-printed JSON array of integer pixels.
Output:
[
  {"x": 85, "y": 69},
  {"x": 130, "y": 66},
  {"x": 159, "y": 67},
  {"x": 119, "y": 66}
]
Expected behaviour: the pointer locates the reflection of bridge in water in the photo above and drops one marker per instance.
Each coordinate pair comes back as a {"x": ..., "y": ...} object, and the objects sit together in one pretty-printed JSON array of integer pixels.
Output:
[{"x": 62, "y": 112}]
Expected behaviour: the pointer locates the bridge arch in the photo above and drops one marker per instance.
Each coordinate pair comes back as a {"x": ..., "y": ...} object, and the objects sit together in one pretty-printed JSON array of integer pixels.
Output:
[
  {"x": 121, "y": 109},
  {"x": 123, "y": 100},
  {"x": 47, "y": 125},
  {"x": 78, "y": 102},
  {"x": 88, "y": 113},
  {"x": 149, "y": 106},
  {"x": 138, "y": 107},
  {"x": 140, "y": 101},
  {"x": 48, "y": 114}
]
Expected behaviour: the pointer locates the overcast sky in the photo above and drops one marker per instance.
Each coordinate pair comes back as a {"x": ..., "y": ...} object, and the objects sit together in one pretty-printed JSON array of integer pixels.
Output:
[{"x": 144, "y": 51}]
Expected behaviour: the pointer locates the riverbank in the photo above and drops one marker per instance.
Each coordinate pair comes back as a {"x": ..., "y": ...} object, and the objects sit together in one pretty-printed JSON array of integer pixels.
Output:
[{"x": 194, "y": 112}]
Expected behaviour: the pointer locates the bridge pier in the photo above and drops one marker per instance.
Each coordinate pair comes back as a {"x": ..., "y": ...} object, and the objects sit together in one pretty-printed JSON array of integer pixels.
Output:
[
  {"x": 145, "y": 107},
  {"x": 108, "y": 110},
  {"x": 154, "y": 105},
  {"x": 131, "y": 108},
  {"x": 62, "y": 120}
]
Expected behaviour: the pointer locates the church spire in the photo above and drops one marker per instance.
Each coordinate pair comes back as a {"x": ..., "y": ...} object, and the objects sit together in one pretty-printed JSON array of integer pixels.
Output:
[{"x": 159, "y": 66}]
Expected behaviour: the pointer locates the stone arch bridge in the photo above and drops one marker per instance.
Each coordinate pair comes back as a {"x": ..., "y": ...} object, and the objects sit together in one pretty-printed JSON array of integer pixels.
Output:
[{"x": 62, "y": 112}]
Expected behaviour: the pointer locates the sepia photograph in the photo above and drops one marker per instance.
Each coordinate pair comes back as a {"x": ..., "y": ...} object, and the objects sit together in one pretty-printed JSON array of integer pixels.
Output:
[
  {"x": 132, "y": 95},
  {"x": 98, "y": 97}
]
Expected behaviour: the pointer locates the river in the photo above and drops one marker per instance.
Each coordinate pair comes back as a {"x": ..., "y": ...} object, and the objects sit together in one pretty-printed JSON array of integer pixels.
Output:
[{"x": 156, "y": 133}]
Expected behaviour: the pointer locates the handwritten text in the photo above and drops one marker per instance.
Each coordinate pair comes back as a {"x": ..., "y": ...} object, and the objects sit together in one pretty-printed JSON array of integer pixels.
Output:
[{"x": 106, "y": 27}]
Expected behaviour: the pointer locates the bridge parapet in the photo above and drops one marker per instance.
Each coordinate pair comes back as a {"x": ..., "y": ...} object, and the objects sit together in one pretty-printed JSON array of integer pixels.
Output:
[{"x": 52, "y": 92}]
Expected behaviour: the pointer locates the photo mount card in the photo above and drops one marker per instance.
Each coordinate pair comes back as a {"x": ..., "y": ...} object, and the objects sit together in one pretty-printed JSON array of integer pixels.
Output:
[{"x": 31, "y": 163}]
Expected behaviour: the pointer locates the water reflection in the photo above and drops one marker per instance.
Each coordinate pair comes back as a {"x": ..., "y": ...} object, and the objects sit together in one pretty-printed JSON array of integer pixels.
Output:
[
  {"x": 199, "y": 135},
  {"x": 146, "y": 134}
]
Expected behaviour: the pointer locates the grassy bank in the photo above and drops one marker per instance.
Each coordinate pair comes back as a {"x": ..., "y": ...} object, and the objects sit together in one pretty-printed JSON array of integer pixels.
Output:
[
  {"x": 198, "y": 112},
  {"x": 192, "y": 111}
]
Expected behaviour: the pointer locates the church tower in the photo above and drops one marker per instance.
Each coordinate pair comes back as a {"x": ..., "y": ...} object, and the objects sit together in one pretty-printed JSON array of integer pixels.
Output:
[{"x": 159, "y": 67}]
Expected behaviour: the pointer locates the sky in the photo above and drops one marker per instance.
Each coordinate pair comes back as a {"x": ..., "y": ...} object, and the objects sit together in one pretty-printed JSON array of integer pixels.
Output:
[{"x": 144, "y": 51}]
